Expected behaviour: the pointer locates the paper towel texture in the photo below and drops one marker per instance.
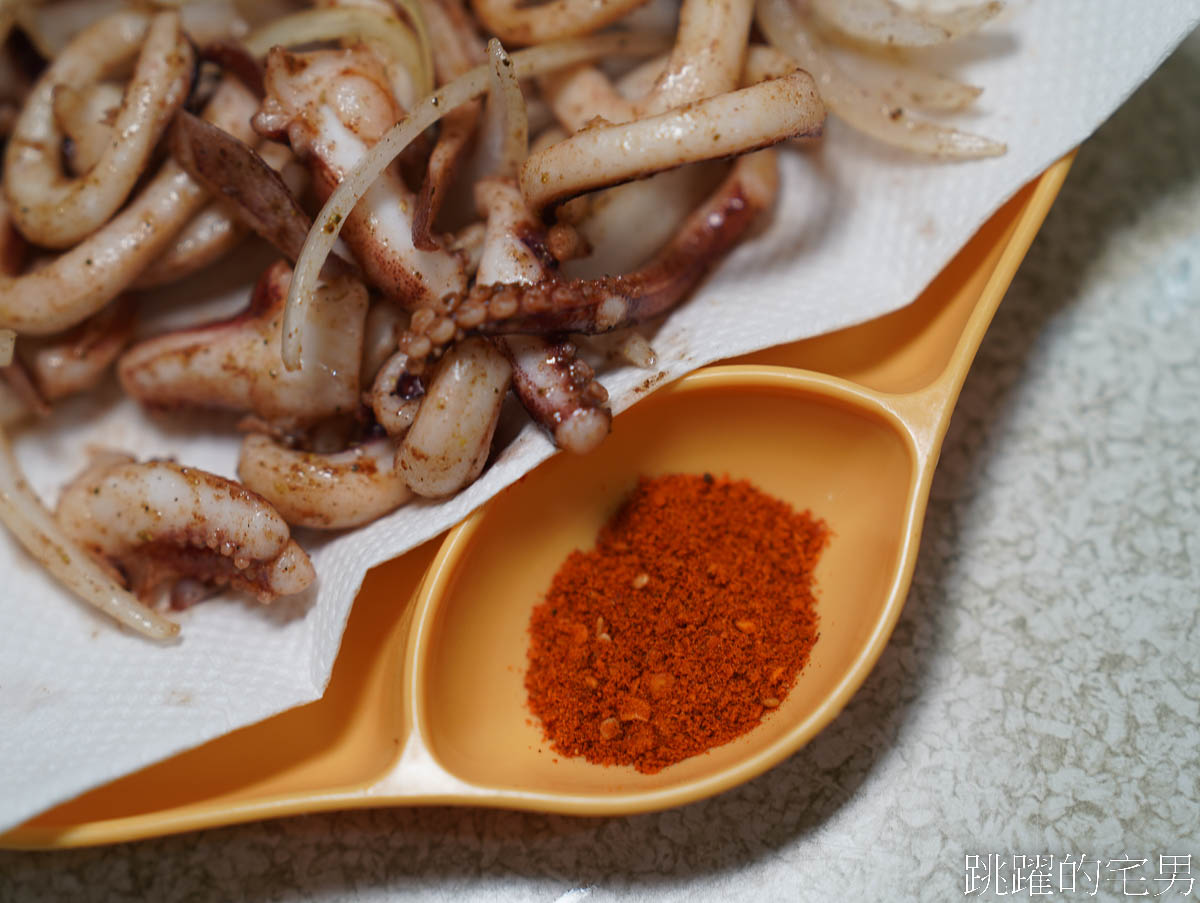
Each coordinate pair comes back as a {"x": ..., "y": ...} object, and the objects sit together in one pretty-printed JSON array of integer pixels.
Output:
[{"x": 859, "y": 232}]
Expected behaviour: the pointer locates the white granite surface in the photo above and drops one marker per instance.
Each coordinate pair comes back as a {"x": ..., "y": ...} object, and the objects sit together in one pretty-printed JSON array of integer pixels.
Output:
[{"x": 1041, "y": 694}]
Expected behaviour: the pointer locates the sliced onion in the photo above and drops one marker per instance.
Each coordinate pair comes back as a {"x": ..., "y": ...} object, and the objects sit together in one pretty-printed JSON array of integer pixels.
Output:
[
  {"x": 506, "y": 124},
  {"x": 51, "y": 28},
  {"x": 658, "y": 205},
  {"x": 888, "y": 22},
  {"x": 27, "y": 519},
  {"x": 863, "y": 108},
  {"x": 321, "y": 238},
  {"x": 407, "y": 45},
  {"x": 902, "y": 84},
  {"x": 8, "y": 339}
]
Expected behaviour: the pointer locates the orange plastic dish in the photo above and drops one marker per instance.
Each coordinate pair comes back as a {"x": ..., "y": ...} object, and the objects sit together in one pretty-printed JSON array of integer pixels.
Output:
[{"x": 426, "y": 702}]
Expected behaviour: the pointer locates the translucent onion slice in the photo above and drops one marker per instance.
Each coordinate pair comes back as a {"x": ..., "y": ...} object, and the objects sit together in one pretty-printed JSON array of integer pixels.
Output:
[
  {"x": 506, "y": 126},
  {"x": 23, "y": 513},
  {"x": 526, "y": 64},
  {"x": 902, "y": 84},
  {"x": 407, "y": 45},
  {"x": 864, "y": 108},
  {"x": 51, "y": 26},
  {"x": 888, "y": 22},
  {"x": 50, "y": 29}
]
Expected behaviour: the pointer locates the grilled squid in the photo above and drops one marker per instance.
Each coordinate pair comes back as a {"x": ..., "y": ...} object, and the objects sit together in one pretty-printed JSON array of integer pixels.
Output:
[
  {"x": 79, "y": 282},
  {"x": 515, "y": 22},
  {"x": 333, "y": 105},
  {"x": 56, "y": 211},
  {"x": 449, "y": 441},
  {"x": 327, "y": 491},
  {"x": 727, "y": 124},
  {"x": 609, "y": 303},
  {"x": 216, "y": 230},
  {"x": 157, "y": 522},
  {"x": 234, "y": 364},
  {"x": 76, "y": 360},
  {"x": 85, "y": 115},
  {"x": 557, "y": 389},
  {"x": 395, "y": 395},
  {"x": 709, "y": 59}
]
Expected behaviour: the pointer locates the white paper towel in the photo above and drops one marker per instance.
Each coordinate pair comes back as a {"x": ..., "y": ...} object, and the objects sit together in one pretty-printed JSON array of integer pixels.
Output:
[{"x": 860, "y": 231}]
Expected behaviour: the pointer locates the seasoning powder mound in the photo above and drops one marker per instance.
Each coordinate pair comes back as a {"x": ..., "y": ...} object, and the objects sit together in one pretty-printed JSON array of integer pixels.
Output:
[{"x": 689, "y": 620}]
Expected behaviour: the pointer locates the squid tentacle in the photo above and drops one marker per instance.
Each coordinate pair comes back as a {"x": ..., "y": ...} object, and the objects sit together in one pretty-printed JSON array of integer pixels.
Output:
[{"x": 157, "y": 521}]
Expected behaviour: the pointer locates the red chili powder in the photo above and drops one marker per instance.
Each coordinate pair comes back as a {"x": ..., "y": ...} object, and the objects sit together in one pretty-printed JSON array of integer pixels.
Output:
[{"x": 689, "y": 620}]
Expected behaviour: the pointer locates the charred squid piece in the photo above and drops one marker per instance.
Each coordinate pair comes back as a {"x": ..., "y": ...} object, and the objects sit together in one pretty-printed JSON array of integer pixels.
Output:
[
  {"x": 333, "y": 106},
  {"x": 256, "y": 189},
  {"x": 454, "y": 140},
  {"x": 76, "y": 360},
  {"x": 384, "y": 325},
  {"x": 79, "y": 282},
  {"x": 395, "y": 395},
  {"x": 602, "y": 305},
  {"x": 234, "y": 58},
  {"x": 518, "y": 22},
  {"x": 234, "y": 364},
  {"x": 459, "y": 49},
  {"x": 157, "y": 522},
  {"x": 559, "y": 391},
  {"x": 56, "y": 211},
  {"x": 85, "y": 115},
  {"x": 262, "y": 200},
  {"x": 729, "y": 124},
  {"x": 707, "y": 59},
  {"x": 449, "y": 441},
  {"x": 328, "y": 492}
]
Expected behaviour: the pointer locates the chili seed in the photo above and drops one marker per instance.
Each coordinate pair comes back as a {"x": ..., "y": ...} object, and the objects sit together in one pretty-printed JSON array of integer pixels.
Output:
[
  {"x": 634, "y": 709},
  {"x": 661, "y": 683},
  {"x": 771, "y": 702},
  {"x": 609, "y": 728},
  {"x": 641, "y": 580},
  {"x": 745, "y": 625}
]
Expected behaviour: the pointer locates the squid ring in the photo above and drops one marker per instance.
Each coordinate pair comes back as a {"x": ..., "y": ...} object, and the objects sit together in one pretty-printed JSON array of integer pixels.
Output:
[
  {"x": 82, "y": 280},
  {"x": 722, "y": 126},
  {"x": 56, "y": 211}
]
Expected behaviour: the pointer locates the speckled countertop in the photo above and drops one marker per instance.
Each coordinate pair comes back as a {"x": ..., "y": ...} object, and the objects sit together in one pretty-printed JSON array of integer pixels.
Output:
[{"x": 1040, "y": 696}]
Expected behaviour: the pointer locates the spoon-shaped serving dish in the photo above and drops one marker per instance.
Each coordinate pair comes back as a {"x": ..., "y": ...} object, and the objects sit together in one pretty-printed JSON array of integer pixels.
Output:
[{"x": 427, "y": 703}]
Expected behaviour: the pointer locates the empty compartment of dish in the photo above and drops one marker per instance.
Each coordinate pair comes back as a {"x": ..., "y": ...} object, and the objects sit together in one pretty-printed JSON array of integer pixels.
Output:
[
  {"x": 341, "y": 742},
  {"x": 907, "y": 350},
  {"x": 812, "y": 442}
]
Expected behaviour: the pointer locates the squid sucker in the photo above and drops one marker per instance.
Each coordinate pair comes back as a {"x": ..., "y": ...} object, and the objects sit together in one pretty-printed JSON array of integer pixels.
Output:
[
  {"x": 601, "y": 305},
  {"x": 158, "y": 522}
]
